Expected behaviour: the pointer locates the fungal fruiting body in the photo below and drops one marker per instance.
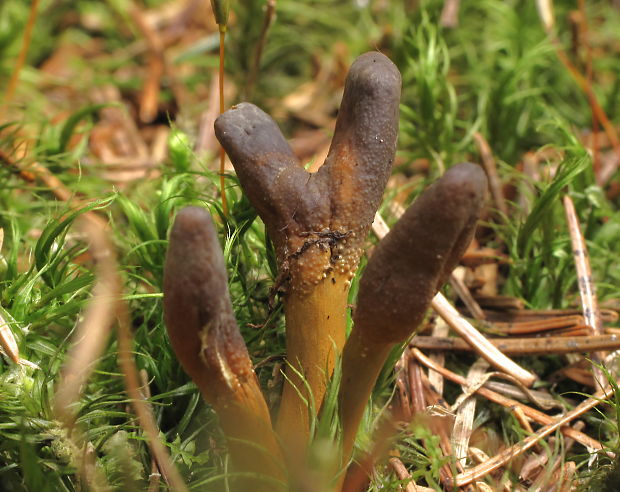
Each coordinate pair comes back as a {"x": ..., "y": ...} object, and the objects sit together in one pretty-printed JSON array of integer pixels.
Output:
[
  {"x": 317, "y": 221},
  {"x": 206, "y": 339},
  {"x": 408, "y": 267}
]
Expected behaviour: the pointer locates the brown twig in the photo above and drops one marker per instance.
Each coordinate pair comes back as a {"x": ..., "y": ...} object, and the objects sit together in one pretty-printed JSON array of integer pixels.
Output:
[
  {"x": 140, "y": 406},
  {"x": 222, "y": 107},
  {"x": 597, "y": 111}
]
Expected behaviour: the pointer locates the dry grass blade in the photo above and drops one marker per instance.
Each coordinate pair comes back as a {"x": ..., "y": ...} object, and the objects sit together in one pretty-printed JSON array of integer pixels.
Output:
[
  {"x": 510, "y": 453},
  {"x": 90, "y": 338},
  {"x": 97, "y": 322},
  {"x": 149, "y": 97},
  {"x": 537, "y": 416},
  {"x": 478, "y": 342},
  {"x": 270, "y": 13},
  {"x": 450, "y": 14}
]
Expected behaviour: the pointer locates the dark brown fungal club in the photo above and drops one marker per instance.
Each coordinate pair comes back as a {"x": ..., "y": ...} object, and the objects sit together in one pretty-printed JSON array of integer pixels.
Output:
[
  {"x": 206, "y": 339},
  {"x": 318, "y": 221},
  {"x": 407, "y": 268}
]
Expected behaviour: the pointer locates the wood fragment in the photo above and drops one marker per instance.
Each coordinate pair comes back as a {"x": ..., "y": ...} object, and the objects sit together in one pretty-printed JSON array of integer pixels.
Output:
[
  {"x": 540, "y": 398},
  {"x": 523, "y": 315},
  {"x": 402, "y": 386},
  {"x": 503, "y": 303},
  {"x": 537, "y": 326}
]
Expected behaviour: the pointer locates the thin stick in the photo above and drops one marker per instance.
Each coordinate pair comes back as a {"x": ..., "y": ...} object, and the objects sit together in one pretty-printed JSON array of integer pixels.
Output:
[
  {"x": 508, "y": 454},
  {"x": 585, "y": 86},
  {"x": 21, "y": 57},
  {"x": 478, "y": 342},
  {"x": 522, "y": 346},
  {"x": 587, "y": 289},
  {"x": 536, "y": 415}
]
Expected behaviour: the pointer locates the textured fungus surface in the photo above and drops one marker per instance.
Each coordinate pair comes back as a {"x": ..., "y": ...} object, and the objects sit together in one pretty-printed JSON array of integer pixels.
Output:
[
  {"x": 415, "y": 259},
  {"x": 206, "y": 339},
  {"x": 318, "y": 221},
  {"x": 197, "y": 308},
  {"x": 407, "y": 268}
]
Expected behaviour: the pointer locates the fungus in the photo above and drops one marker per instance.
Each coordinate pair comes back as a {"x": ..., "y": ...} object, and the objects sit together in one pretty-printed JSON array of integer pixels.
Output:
[
  {"x": 206, "y": 339},
  {"x": 408, "y": 267},
  {"x": 317, "y": 221}
]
